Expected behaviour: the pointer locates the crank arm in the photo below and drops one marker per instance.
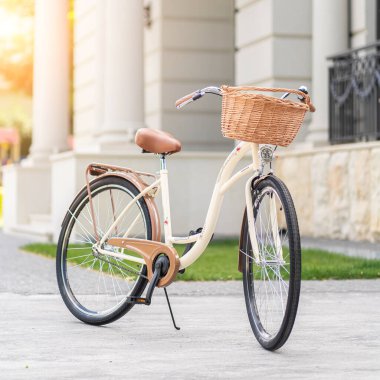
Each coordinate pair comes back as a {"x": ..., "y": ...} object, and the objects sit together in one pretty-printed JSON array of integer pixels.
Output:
[
  {"x": 148, "y": 298},
  {"x": 161, "y": 267}
]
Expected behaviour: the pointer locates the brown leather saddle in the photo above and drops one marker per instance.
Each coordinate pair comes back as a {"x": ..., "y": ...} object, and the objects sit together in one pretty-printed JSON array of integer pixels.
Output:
[{"x": 157, "y": 141}]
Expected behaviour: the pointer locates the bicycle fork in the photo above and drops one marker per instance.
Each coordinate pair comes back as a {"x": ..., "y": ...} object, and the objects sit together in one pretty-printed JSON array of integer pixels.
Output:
[{"x": 251, "y": 223}]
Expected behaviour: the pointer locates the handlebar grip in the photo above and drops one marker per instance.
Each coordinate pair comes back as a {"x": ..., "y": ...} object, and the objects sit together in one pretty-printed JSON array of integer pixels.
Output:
[
  {"x": 311, "y": 107},
  {"x": 309, "y": 103},
  {"x": 184, "y": 99}
]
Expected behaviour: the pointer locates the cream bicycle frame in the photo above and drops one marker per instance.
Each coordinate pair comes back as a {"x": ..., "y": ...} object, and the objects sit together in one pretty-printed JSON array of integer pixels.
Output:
[{"x": 224, "y": 181}]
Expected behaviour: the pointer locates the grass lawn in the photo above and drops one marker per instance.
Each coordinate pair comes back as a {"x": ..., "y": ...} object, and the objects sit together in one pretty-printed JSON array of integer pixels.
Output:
[{"x": 219, "y": 262}]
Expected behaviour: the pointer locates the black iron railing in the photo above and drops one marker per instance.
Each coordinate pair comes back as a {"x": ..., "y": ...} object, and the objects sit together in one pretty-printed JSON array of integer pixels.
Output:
[{"x": 354, "y": 89}]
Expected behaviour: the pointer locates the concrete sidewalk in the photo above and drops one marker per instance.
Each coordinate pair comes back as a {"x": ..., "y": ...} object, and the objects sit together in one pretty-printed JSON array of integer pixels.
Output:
[{"x": 336, "y": 334}]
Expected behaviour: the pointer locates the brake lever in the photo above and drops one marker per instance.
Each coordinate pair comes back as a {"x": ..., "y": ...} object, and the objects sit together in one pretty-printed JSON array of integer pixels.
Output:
[
  {"x": 301, "y": 98},
  {"x": 304, "y": 90}
]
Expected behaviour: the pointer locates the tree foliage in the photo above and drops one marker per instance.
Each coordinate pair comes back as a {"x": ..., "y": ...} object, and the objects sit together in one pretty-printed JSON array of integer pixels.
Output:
[
  {"x": 16, "y": 51},
  {"x": 24, "y": 8}
]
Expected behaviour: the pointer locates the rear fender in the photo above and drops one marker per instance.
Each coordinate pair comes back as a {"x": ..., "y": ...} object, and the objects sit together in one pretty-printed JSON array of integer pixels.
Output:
[{"x": 140, "y": 185}]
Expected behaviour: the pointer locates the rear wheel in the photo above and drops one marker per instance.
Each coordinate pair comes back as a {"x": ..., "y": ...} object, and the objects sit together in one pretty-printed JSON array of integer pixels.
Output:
[
  {"x": 272, "y": 280},
  {"x": 95, "y": 287}
]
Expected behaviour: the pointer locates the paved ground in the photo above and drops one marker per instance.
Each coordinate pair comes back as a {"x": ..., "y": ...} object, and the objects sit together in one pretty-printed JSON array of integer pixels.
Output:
[{"x": 336, "y": 333}]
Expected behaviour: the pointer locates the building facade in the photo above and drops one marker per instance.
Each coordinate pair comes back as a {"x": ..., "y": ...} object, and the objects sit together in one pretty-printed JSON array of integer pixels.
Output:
[{"x": 133, "y": 59}]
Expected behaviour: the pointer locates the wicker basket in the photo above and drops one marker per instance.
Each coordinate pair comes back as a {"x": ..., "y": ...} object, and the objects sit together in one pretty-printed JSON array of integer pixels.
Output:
[{"x": 262, "y": 119}]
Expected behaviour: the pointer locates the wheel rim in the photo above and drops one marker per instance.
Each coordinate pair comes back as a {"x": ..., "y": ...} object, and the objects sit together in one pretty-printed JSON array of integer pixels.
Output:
[
  {"x": 268, "y": 277},
  {"x": 99, "y": 285}
]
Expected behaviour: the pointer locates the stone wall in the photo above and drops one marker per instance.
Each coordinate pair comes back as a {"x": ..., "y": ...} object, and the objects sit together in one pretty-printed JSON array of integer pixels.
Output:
[{"x": 336, "y": 190}]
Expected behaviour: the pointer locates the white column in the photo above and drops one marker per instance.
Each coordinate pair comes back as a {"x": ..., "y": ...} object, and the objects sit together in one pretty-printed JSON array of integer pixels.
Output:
[
  {"x": 124, "y": 75},
  {"x": 330, "y": 36},
  {"x": 51, "y": 80}
]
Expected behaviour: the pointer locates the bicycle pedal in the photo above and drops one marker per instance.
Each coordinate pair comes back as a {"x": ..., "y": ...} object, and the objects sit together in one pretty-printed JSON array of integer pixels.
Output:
[
  {"x": 160, "y": 268},
  {"x": 138, "y": 300},
  {"x": 188, "y": 246}
]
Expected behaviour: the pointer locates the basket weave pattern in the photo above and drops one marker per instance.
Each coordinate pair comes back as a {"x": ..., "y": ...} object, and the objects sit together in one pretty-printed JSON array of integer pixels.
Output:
[{"x": 259, "y": 118}]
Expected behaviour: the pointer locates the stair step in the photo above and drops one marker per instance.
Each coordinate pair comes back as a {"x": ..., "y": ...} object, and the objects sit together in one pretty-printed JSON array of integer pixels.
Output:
[{"x": 40, "y": 233}]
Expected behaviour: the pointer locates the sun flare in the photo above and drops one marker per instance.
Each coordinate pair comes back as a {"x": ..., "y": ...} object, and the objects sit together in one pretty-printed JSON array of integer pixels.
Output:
[{"x": 13, "y": 25}]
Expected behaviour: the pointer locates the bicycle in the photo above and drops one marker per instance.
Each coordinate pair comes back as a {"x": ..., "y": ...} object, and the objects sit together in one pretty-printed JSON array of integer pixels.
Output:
[{"x": 110, "y": 246}]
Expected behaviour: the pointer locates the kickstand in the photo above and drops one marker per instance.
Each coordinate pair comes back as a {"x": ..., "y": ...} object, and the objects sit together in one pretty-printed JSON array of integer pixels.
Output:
[{"x": 170, "y": 309}]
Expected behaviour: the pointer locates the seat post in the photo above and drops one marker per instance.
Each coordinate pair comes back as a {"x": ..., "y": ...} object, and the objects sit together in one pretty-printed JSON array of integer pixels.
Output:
[
  {"x": 163, "y": 162},
  {"x": 165, "y": 199}
]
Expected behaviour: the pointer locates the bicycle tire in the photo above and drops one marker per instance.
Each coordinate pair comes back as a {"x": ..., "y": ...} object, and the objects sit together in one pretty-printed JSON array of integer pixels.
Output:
[
  {"x": 70, "y": 299},
  {"x": 276, "y": 340}
]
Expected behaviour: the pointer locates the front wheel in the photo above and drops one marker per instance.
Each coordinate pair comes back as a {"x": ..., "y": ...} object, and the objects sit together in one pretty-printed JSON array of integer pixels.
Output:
[{"x": 272, "y": 274}]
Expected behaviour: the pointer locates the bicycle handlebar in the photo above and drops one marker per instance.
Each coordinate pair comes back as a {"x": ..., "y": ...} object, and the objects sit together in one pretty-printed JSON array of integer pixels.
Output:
[
  {"x": 217, "y": 91},
  {"x": 300, "y": 98}
]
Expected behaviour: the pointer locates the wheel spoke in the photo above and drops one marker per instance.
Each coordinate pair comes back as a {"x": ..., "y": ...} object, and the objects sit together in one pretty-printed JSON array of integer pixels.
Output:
[{"x": 98, "y": 285}]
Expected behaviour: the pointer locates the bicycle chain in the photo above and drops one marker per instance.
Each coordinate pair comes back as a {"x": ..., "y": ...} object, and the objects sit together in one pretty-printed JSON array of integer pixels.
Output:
[{"x": 121, "y": 267}]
